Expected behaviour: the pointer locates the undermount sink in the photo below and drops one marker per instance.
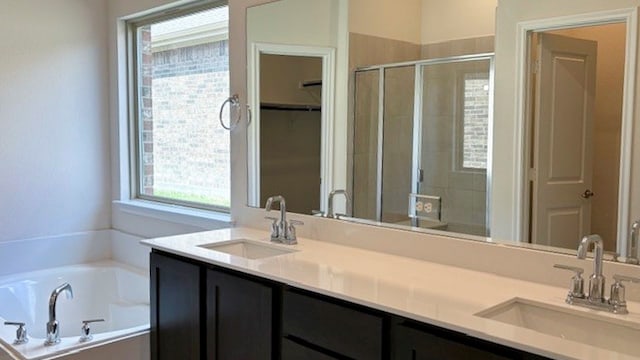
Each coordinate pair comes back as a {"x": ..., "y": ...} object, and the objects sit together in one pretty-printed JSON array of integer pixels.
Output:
[
  {"x": 249, "y": 249},
  {"x": 608, "y": 332}
]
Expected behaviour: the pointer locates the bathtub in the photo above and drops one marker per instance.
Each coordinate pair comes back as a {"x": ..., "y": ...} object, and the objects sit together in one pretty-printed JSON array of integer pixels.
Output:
[{"x": 107, "y": 290}]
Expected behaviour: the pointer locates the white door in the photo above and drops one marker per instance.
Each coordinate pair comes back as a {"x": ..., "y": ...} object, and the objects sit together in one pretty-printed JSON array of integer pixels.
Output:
[{"x": 563, "y": 132}]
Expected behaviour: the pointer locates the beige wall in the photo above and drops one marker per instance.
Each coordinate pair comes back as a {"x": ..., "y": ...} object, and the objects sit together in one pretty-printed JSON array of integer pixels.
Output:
[
  {"x": 422, "y": 21},
  {"x": 505, "y": 181},
  {"x": 281, "y": 76},
  {"x": 459, "y": 19},
  {"x": 390, "y": 19},
  {"x": 294, "y": 22},
  {"x": 607, "y": 124}
]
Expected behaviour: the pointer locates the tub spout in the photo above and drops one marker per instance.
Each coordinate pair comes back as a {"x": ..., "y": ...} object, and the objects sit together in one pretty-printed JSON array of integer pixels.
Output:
[{"x": 53, "y": 328}]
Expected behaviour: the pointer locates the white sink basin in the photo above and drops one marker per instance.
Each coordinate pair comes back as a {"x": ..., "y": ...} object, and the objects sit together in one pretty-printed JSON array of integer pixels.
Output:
[
  {"x": 587, "y": 327},
  {"x": 249, "y": 249}
]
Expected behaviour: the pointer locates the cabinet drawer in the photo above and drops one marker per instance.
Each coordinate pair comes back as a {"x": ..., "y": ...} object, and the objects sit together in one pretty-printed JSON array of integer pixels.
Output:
[
  {"x": 415, "y": 342},
  {"x": 338, "y": 328},
  {"x": 293, "y": 351}
]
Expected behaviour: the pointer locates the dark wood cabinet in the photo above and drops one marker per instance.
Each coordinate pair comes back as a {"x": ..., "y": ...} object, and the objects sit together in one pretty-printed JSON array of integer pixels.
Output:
[
  {"x": 175, "y": 309},
  {"x": 204, "y": 312},
  {"x": 239, "y": 318}
]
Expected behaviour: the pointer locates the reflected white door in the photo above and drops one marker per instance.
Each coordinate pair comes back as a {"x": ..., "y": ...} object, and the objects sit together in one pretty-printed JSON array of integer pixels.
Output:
[{"x": 563, "y": 132}]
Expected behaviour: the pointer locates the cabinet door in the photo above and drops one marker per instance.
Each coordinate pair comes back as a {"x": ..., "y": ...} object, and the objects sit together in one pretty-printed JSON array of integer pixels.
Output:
[
  {"x": 239, "y": 318},
  {"x": 415, "y": 342},
  {"x": 175, "y": 309}
]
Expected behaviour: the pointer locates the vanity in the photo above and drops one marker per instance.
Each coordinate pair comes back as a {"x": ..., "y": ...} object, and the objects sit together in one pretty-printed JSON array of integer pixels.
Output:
[
  {"x": 231, "y": 293},
  {"x": 395, "y": 288}
]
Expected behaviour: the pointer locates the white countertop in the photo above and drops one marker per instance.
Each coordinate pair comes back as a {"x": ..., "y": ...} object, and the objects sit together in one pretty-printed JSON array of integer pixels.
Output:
[{"x": 436, "y": 294}]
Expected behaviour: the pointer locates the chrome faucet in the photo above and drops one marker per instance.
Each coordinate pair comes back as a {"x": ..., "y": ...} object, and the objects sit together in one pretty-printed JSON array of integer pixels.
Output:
[
  {"x": 595, "y": 298},
  {"x": 596, "y": 281},
  {"x": 330, "y": 212},
  {"x": 632, "y": 245},
  {"x": 53, "y": 327},
  {"x": 281, "y": 230}
]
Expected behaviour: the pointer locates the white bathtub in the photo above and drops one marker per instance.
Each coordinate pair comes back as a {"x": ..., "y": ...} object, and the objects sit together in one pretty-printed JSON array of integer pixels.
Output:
[{"x": 108, "y": 290}]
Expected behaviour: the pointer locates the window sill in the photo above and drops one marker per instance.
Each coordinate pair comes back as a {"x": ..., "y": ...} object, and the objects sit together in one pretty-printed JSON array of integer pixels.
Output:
[{"x": 175, "y": 214}]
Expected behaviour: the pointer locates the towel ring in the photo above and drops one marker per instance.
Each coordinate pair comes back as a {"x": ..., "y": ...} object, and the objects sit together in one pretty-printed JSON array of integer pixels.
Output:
[{"x": 234, "y": 102}]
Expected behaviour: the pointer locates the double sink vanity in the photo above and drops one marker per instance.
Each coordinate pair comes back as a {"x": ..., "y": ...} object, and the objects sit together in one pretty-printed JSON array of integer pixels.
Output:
[{"x": 233, "y": 293}]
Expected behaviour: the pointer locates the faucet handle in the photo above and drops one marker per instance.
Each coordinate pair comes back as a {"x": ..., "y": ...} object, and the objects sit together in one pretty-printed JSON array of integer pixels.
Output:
[
  {"x": 86, "y": 330},
  {"x": 21, "y": 332},
  {"x": 275, "y": 231},
  {"x": 617, "y": 298},
  {"x": 576, "y": 289},
  {"x": 290, "y": 232},
  {"x": 621, "y": 278}
]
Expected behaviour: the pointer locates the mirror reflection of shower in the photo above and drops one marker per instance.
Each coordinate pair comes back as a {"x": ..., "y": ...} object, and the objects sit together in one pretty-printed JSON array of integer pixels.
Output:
[{"x": 421, "y": 136}]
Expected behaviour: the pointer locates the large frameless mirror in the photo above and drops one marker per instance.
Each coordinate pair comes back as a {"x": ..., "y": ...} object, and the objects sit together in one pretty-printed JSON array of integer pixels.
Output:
[{"x": 410, "y": 133}]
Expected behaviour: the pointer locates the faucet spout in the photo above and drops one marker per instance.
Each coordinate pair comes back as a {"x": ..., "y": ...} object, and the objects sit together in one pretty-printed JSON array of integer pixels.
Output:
[
  {"x": 330, "y": 212},
  {"x": 283, "y": 206},
  {"x": 53, "y": 328},
  {"x": 598, "y": 251},
  {"x": 596, "y": 281}
]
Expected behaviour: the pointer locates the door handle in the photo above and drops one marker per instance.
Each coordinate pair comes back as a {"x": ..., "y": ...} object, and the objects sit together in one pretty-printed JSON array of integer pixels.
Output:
[{"x": 587, "y": 194}]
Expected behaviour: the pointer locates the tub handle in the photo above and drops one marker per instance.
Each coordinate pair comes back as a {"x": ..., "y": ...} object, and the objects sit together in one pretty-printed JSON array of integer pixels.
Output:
[
  {"x": 21, "y": 332},
  {"x": 86, "y": 330}
]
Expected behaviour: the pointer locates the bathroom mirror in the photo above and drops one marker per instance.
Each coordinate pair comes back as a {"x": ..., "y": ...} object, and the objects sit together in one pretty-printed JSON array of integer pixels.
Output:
[{"x": 411, "y": 119}]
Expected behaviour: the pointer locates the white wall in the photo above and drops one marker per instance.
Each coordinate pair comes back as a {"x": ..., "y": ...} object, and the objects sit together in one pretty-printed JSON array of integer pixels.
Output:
[{"x": 54, "y": 134}]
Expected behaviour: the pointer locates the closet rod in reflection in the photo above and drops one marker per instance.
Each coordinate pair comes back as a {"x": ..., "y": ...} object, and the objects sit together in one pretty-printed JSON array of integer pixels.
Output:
[{"x": 289, "y": 107}]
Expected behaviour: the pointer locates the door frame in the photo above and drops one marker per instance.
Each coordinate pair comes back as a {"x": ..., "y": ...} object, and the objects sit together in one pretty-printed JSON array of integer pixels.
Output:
[
  {"x": 328, "y": 56},
  {"x": 629, "y": 16}
]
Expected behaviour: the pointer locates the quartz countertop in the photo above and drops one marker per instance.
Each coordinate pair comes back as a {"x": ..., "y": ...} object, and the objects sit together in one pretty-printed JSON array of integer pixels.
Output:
[{"x": 433, "y": 293}]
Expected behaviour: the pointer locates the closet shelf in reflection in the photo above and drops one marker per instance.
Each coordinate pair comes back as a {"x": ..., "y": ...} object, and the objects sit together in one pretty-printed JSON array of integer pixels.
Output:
[{"x": 290, "y": 107}]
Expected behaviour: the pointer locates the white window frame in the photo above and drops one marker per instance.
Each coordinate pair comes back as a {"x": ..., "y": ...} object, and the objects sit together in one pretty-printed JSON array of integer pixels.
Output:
[{"x": 136, "y": 202}]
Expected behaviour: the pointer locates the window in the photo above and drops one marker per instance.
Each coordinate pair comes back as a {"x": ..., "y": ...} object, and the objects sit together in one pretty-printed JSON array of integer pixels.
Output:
[
  {"x": 474, "y": 121},
  {"x": 180, "y": 78}
]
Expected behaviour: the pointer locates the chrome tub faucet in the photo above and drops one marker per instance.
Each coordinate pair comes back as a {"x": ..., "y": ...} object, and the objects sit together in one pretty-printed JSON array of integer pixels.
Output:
[{"x": 53, "y": 327}]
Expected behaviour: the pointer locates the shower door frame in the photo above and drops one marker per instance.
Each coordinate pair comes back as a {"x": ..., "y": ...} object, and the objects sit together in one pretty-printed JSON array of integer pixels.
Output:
[{"x": 419, "y": 67}]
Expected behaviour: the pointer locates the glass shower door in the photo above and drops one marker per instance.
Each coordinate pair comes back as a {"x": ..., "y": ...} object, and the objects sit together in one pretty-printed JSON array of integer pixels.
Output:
[{"x": 454, "y": 142}]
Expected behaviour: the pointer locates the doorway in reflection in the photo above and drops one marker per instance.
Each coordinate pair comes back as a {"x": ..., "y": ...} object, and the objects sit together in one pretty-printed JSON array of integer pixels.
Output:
[
  {"x": 576, "y": 96},
  {"x": 290, "y": 130},
  {"x": 421, "y": 143}
]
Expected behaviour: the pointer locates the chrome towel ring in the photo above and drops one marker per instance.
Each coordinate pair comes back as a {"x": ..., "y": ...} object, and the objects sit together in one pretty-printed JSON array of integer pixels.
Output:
[{"x": 234, "y": 103}]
